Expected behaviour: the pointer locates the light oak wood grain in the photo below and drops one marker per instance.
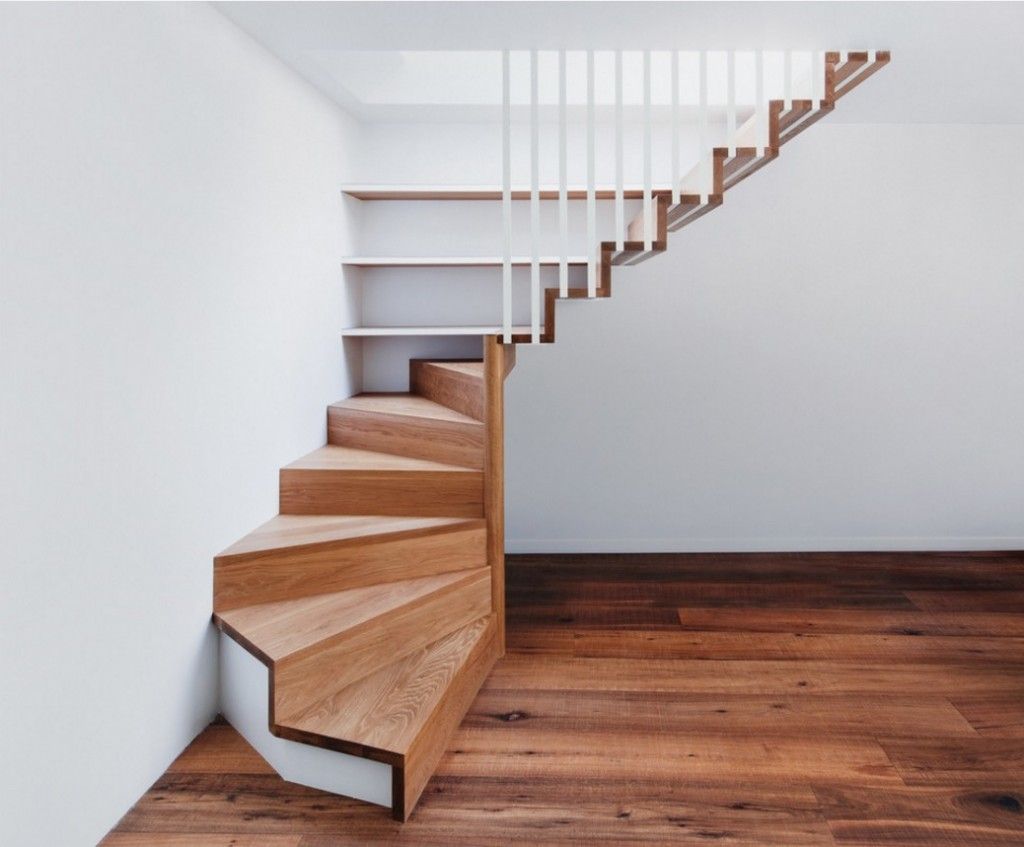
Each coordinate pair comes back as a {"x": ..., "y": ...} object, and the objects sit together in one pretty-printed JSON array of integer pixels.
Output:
[
  {"x": 498, "y": 362},
  {"x": 343, "y": 480},
  {"x": 407, "y": 425},
  {"x": 456, "y": 384},
  {"x": 305, "y": 676},
  {"x": 298, "y": 627},
  {"x": 296, "y": 556}
]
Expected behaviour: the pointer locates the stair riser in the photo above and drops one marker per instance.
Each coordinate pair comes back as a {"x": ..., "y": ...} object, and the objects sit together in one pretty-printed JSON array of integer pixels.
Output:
[
  {"x": 420, "y": 438},
  {"x": 456, "y": 391},
  {"x": 339, "y": 661},
  {"x": 412, "y": 493},
  {"x": 289, "y": 573},
  {"x": 421, "y": 760}
]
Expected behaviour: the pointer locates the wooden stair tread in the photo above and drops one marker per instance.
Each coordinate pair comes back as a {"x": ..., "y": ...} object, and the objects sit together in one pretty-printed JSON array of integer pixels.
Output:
[
  {"x": 335, "y": 458},
  {"x": 471, "y": 368},
  {"x": 283, "y": 628},
  {"x": 289, "y": 531},
  {"x": 405, "y": 405},
  {"x": 390, "y": 708}
]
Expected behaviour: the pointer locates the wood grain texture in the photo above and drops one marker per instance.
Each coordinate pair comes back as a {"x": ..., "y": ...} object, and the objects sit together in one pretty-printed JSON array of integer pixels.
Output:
[
  {"x": 428, "y": 746},
  {"x": 293, "y": 628},
  {"x": 998, "y": 715},
  {"x": 457, "y": 384},
  {"x": 389, "y": 708},
  {"x": 861, "y": 816},
  {"x": 296, "y": 556},
  {"x": 733, "y": 748},
  {"x": 198, "y": 839},
  {"x": 407, "y": 425},
  {"x": 382, "y": 636},
  {"x": 498, "y": 361},
  {"x": 343, "y": 480}
]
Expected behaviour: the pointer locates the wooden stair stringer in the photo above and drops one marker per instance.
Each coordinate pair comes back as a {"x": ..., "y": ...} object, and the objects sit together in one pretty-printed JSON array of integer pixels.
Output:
[{"x": 727, "y": 171}]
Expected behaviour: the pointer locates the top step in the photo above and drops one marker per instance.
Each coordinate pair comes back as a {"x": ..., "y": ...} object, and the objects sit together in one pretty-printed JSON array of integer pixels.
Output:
[{"x": 457, "y": 384}]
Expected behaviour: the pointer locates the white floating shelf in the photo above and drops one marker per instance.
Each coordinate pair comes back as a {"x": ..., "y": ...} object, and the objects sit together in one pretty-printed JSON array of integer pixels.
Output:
[
  {"x": 384, "y": 331},
  {"x": 484, "y": 192},
  {"x": 451, "y": 261}
]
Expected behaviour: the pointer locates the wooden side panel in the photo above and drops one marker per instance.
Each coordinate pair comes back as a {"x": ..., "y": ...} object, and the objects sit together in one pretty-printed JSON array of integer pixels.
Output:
[
  {"x": 453, "y": 442},
  {"x": 305, "y": 570},
  {"x": 422, "y": 757},
  {"x": 316, "y": 491},
  {"x": 455, "y": 387},
  {"x": 304, "y": 679},
  {"x": 496, "y": 367}
]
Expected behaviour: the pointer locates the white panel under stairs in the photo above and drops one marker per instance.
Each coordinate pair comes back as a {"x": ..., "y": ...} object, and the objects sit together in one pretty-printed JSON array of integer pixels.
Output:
[{"x": 245, "y": 704}]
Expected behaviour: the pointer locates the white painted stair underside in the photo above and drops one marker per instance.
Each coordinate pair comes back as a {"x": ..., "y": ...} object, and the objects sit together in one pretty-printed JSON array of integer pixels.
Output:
[{"x": 245, "y": 703}]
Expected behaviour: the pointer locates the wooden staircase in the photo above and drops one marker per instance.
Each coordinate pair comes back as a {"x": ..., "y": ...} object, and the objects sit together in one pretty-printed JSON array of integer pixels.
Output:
[{"x": 375, "y": 599}]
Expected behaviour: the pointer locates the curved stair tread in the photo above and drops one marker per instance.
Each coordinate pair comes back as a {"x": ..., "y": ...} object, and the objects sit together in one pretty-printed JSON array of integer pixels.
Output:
[
  {"x": 288, "y": 628},
  {"x": 334, "y": 458},
  {"x": 389, "y": 709},
  {"x": 471, "y": 368},
  {"x": 296, "y": 531},
  {"x": 404, "y": 405}
]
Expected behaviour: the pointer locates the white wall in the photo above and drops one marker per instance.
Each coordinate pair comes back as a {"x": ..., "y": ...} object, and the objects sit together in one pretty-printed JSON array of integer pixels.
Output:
[
  {"x": 830, "y": 361},
  {"x": 170, "y": 229}
]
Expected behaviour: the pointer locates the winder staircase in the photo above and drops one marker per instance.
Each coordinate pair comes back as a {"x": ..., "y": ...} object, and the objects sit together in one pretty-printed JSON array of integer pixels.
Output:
[{"x": 359, "y": 624}]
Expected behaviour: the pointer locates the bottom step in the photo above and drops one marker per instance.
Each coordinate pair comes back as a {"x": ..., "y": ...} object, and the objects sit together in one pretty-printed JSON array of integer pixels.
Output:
[{"x": 400, "y": 718}]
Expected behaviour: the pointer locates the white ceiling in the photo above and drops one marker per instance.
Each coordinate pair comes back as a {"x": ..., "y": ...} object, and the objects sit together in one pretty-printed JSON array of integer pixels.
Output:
[{"x": 952, "y": 62}]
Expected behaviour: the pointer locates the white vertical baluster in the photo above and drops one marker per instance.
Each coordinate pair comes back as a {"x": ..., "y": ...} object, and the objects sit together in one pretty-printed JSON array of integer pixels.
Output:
[
  {"x": 648, "y": 203},
  {"x": 677, "y": 188},
  {"x": 534, "y": 203},
  {"x": 730, "y": 133},
  {"x": 563, "y": 166},
  {"x": 592, "y": 246},
  {"x": 761, "y": 105},
  {"x": 620, "y": 200},
  {"x": 787, "y": 77},
  {"x": 705, "y": 147},
  {"x": 506, "y": 197}
]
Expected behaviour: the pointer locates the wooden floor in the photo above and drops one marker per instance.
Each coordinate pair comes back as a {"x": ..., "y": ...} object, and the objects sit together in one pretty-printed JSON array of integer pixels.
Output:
[{"x": 778, "y": 700}]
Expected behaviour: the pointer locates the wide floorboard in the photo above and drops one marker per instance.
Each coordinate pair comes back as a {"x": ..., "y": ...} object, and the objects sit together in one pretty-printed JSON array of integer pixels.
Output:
[{"x": 856, "y": 700}]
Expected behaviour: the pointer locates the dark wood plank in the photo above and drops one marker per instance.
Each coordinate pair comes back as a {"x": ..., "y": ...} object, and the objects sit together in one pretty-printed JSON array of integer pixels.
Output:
[
  {"x": 797, "y": 646},
  {"x": 854, "y": 621},
  {"x": 736, "y": 715},
  {"x": 969, "y": 601},
  {"x": 862, "y": 816},
  {"x": 750, "y": 677},
  {"x": 197, "y": 839},
  {"x": 994, "y": 714},
  {"x": 957, "y": 761},
  {"x": 219, "y": 749},
  {"x": 745, "y": 595}
]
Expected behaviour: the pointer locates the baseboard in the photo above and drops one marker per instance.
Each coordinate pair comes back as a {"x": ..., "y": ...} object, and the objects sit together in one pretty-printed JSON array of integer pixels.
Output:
[{"x": 806, "y": 544}]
